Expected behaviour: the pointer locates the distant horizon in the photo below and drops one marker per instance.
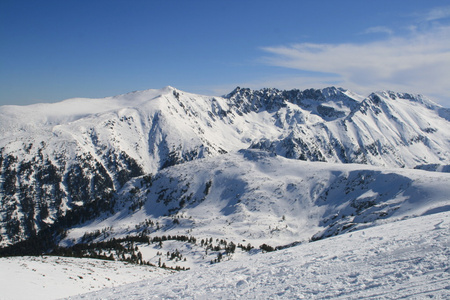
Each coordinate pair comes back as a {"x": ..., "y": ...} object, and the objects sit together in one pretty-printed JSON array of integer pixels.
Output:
[
  {"x": 56, "y": 50},
  {"x": 222, "y": 95}
]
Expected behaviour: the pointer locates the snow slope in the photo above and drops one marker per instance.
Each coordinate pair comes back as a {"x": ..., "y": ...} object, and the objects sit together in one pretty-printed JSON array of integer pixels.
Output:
[
  {"x": 50, "y": 277},
  {"x": 256, "y": 197},
  {"x": 404, "y": 259}
]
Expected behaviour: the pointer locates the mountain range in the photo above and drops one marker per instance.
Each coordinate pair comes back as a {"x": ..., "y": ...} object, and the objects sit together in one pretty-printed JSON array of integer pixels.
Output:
[{"x": 265, "y": 168}]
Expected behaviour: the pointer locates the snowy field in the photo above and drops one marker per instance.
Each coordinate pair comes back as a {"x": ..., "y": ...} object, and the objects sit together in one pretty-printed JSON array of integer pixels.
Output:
[
  {"x": 49, "y": 277},
  {"x": 407, "y": 259}
]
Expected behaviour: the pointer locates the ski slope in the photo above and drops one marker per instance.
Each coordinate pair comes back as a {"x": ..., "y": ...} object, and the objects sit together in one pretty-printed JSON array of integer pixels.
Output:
[
  {"x": 52, "y": 277},
  {"x": 403, "y": 260},
  {"x": 407, "y": 259}
]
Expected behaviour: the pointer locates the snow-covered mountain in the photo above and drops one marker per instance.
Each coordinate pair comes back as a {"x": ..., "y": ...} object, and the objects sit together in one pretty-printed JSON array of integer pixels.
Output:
[
  {"x": 70, "y": 162},
  {"x": 253, "y": 198}
]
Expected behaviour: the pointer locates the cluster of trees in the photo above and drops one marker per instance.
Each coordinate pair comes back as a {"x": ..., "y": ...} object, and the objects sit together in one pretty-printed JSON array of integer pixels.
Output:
[
  {"x": 123, "y": 249},
  {"x": 90, "y": 236},
  {"x": 147, "y": 226},
  {"x": 34, "y": 190},
  {"x": 267, "y": 248},
  {"x": 180, "y": 238},
  {"x": 222, "y": 245},
  {"x": 245, "y": 248}
]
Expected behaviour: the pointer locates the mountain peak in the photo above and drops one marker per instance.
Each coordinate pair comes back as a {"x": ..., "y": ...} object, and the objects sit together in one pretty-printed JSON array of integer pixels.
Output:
[
  {"x": 168, "y": 88},
  {"x": 389, "y": 95}
]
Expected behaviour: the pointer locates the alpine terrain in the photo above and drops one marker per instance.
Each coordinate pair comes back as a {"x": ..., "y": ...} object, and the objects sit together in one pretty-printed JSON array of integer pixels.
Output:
[{"x": 176, "y": 181}]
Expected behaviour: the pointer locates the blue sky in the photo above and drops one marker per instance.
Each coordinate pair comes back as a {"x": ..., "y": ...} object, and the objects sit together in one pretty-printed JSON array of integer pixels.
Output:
[{"x": 54, "y": 50}]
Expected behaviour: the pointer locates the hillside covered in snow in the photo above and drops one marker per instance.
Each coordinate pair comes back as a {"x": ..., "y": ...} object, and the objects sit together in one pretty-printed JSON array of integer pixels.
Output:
[
  {"x": 254, "y": 197},
  {"x": 64, "y": 163},
  {"x": 403, "y": 259},
  {"x": 406, "y": 259}
]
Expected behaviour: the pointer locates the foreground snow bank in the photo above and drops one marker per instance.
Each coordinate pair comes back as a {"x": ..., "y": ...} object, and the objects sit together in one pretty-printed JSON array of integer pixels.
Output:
[
  {"x": 51, "y": 277},
  {"x": 404, "y": 259}
]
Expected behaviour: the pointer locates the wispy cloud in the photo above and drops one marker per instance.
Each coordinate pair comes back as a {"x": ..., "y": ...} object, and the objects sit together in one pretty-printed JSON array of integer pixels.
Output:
[
  {"x": 378, "y": 29},
  {"x": 437, "y": 13},
  {"x": 419, "y": 62}
]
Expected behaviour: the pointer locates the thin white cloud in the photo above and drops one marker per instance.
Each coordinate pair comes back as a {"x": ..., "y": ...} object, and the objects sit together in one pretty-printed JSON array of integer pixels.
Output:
[
  {"x": 437, "y": 13},
  {"x": 418, "y": 63},
  {"x": 378, "y": 29}
]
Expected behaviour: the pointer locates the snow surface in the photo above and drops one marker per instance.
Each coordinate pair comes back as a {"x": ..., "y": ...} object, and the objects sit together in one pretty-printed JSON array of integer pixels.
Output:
[
  {"x": 407, "y": 259},
  {"x": 52, "y": 277},
  {"x": 255, "y": 197}
]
